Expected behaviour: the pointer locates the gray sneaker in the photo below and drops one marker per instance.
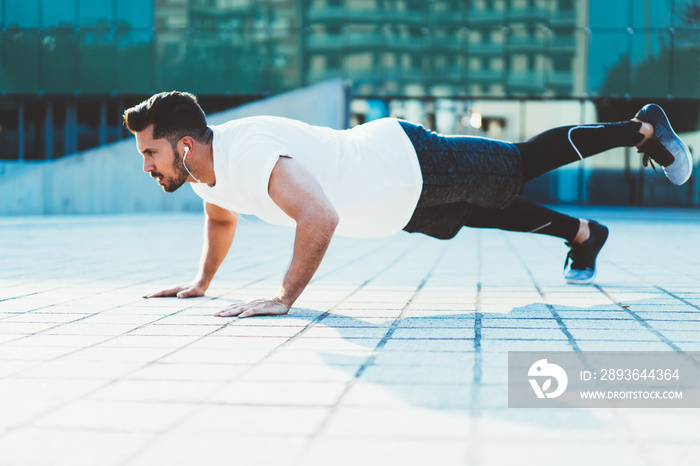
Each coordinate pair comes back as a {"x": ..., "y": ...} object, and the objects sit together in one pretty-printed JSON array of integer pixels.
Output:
[
  {"x": 583, "y": 256},
  {"x": 665, "y": 148}
]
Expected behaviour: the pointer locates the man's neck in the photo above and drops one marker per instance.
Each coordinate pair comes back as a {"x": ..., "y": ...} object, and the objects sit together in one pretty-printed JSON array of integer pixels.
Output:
[{"x": 204, "y": 160}]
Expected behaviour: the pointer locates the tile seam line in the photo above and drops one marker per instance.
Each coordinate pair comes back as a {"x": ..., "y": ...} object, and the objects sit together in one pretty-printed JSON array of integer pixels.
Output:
[
  {"x": 107, "y": 382},
  {"x": 87, "y": 316},
  {"x": 113, "y": 381},
  {"x": 474, "y": 450},
  {"x": 370, "y": 360},
  {"x": 641, "y": 321},
  {"x": 125, "y": 286},
  {"x": 562, "y": 326},
  {"x": 277, "y": 349},
  {"x": 683, "y": 300},
  {"x": 271, "y": 257}
]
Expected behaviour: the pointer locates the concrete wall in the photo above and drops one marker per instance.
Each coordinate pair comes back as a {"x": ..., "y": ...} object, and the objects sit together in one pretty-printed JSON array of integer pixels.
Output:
[{"x": 109, "y": 179}]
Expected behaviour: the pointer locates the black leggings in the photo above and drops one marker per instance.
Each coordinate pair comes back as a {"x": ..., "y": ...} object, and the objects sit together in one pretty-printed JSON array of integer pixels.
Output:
[{"x": 543, "y": 153}]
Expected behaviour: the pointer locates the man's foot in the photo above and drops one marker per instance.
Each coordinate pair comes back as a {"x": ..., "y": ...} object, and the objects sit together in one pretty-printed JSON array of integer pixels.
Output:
[
  {"x": 583, "y": 256},
  {"x": 665, "y": 147}
]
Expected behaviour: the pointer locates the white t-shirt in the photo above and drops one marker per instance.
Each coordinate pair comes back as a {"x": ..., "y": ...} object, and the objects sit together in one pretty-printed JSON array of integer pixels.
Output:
[{"x": 369, "y": 173}]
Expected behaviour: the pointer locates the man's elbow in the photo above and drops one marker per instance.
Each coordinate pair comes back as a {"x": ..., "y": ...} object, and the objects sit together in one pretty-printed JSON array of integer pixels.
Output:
[
  {"x": 322, "y": 219},
  {"x": 331, "y": 219}
]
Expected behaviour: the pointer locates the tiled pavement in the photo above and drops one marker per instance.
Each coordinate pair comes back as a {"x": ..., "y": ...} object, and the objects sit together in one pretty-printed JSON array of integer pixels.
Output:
[{"x": 396, "y": 354}]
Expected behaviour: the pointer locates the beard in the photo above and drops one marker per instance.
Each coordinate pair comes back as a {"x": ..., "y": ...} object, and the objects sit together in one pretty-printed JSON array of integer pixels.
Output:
[{"x": 171, "y": 185}]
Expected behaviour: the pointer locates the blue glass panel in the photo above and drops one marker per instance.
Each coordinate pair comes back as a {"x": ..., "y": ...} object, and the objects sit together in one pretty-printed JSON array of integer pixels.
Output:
[
  {"x": 651, "y": 14},
  {"x": 610, "y": 14},
  {"x": 135, "y": 62},
  {"x": 685, "y": 14},
  {"x": 486, "y": 64},
  {"x": 94, "y": 13},
  {"x": 525, "y": 62},
  {"x": 171, "y": 66},
  {"x": 563, "y": 47},
  {"x": 211, "y": 61},
  {"x": 20, "y": 60},
  {"x": 24, "y": 14},
  {"x": 650, "y": 62},
  {"x": 60, "y": 61},
  {"x": 608, "y": 66},
  {"x": 685, "y": 69},
  {"x": 135, "y": 13},
  {"x": 98, "y": 61},
  {"x": 59, "y": 13}
]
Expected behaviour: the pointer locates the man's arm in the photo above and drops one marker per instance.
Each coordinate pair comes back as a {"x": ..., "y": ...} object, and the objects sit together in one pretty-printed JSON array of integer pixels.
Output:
[
  {"x": 300, "y": 196},
  {"x": 219, "y": 230}
]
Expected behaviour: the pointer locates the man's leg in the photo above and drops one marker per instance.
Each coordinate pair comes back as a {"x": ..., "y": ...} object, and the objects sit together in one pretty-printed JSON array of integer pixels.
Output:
[
  {"x": 548, "y": 151},
  {"x": 561, "y": 146},
  {"x": 528, "y": 217},
  {"x": 585, "y": 238},
  {"x": 650, "y": 131}
]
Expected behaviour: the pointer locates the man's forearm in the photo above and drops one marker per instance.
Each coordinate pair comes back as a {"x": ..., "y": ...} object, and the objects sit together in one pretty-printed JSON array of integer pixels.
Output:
[
  {"x": 313, "y": 235},
  {"x": 218, "y": 237}
]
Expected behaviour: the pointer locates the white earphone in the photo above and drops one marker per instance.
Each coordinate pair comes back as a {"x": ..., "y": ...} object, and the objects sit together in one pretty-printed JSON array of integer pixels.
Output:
[{"x": 187, "y": 150}]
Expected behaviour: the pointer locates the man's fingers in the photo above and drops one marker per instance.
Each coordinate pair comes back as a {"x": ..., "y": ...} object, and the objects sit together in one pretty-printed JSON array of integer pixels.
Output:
[
  {"x": 259, "y": 307},
  {"x": 164, "y": 293},
  {"x": 192, "y": 292},
  {"x": 229, "y": 311}
]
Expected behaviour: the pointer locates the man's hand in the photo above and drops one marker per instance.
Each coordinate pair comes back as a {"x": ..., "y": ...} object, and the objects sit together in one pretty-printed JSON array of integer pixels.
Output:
[
  {"x": 259, "y": 307},
  {"x": 183, "y": 291}
]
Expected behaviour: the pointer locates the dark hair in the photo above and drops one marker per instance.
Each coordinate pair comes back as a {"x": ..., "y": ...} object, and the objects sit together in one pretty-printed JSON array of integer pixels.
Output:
[{"x": 173, "y": 115}]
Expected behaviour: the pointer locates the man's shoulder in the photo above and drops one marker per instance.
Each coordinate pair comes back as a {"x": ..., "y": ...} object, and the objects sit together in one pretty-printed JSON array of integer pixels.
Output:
[{"x": 257, "y": 121}]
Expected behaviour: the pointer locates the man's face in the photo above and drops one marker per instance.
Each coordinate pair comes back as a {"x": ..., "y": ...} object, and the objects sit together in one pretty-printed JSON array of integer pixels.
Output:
[{"x": 160, "y": 160}]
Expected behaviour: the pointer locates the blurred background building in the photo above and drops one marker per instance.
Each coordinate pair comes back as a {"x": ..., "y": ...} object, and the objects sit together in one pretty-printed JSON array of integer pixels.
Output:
[{"x": 498, "y": 68}]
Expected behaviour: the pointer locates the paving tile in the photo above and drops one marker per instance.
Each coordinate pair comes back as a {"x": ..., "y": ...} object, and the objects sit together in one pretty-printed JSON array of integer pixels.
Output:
[
  {"x": 612, "y": 335},
  {"x": 254, "y": 420},
  {"x": 414, "y": 344},
  {"x": 335, "y": 358},
  {"x": 232, "y": 343},
  {"x": 398, "y": 422},
  {"x": 149, "y": 341},
  {"x": 672, "y": 454},
  {"x": 102, "y": 354},
  {"x": 419, "y": 374},
  {"x": 190, "y": 391},
  {"x": 424, "y": 358},
  {"x": 259, "y": 331},
  {"x": 221, "y": 448},
  {"x": 25, "y": 389},
  {"x": 80, "y": 328},
  {"x": 215, "y": 356},
  {"x": 91, "y": 373},
  {"x": 380, "y": 451},
  {"x": 122, "y": 416},
  {"x": 192, "y": 372},
  {"x": 520, "y": 425},
  {"x": 280, "y": 393},
  {"x": 18, "y": 413},
  {"x": 576, "y": 452},
  {"x": 300, "y": 373},
  {"x": 401, "y": 395},
  {"x": 34, "y": 353},
  {"x": 80, "y": 370},
  {"x": 62, "y": 447},
  {"x": 522, "y": 334},
  {"x": 25, "y": 328}
]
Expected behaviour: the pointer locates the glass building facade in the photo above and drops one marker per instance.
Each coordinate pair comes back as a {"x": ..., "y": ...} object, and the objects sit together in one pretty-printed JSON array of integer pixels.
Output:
[{"x": 69, "y": 67}]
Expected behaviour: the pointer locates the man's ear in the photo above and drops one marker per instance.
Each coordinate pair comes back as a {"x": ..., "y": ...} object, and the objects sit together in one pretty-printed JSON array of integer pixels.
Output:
[{"x": 186, "y": 141}]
